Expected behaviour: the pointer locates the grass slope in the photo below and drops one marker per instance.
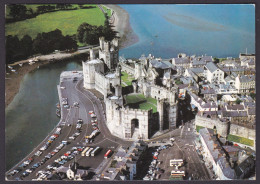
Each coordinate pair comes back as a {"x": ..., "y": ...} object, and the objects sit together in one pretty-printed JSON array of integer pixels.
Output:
[
  {"x": 126, "y": 79},
  {"x": 66, "y": 21}
]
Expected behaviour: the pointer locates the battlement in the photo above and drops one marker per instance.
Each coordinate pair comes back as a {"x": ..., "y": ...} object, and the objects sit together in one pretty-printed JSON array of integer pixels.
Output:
[{"x": 136, "y": 110}]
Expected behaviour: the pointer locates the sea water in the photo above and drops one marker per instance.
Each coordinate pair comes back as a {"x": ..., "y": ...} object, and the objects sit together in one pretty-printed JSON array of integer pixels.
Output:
[
  {"x": 216, "y": 30},
  {"x": 32, "y": 113}
]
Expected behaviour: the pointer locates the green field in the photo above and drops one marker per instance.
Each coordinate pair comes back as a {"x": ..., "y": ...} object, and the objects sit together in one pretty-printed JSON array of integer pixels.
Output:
[
  {"x": 126, "y": 79},
  {"x": 67, "y": 21},
  {"x": 143, "y": 103},
  {"x": 242, "y": 140}
]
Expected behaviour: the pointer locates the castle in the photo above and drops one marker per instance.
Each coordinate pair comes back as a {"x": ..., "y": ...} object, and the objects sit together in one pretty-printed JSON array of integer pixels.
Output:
[{"x": 104, "y": 75}]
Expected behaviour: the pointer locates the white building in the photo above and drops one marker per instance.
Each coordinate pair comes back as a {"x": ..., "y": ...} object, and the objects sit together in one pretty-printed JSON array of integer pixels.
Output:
[
  {"x": 213, "y": 73},
  {"x": 245, "y": 83}
]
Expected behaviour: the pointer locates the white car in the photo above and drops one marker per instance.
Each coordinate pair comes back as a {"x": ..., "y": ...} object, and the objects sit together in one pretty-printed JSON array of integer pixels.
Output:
[
  {"x": 43, "y": 148},
  {"x": 72, "y": 138},
  {"x": 38, "y": 153},
  {"x": 78, "y": 126}
]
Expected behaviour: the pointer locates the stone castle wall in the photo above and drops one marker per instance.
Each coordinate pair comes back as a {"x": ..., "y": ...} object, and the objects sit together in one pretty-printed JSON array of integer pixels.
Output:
[
  {"x": 119, "y": 120},
  {"x": 221, "y": 127},
  {"x": 127, "y": 68},
  {"x": 242, "y": 131},
  {"x": 101, "y": 83}
]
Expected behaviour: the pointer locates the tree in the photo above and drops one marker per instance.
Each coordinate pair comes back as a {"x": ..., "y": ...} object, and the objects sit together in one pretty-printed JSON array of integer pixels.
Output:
[
  {"x": 216, "y": 60},
  {"x": 108, "y": 31},
  {"x": 12, "y": 47},
  {"x": 252, "y": 95},
  {"x": 26, "y": 45},
  {"x": 17, "y": 11},
  {"x": 238, "y": 101}
]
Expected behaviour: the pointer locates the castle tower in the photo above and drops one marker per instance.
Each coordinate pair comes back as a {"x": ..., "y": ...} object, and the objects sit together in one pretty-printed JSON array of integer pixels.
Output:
[
  {"x": 118, "y": 90},
  {"x": 101, "y": 42},
  {"x": 108, "y": 52},
  {"x": 160, "y": 109},
  {"x": 91, "y": 54},
  {"x": 138, "y": 70}
]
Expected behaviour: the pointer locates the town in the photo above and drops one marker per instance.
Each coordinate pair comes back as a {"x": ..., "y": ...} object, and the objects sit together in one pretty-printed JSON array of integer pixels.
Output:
[{"x": 184, "y": 118}]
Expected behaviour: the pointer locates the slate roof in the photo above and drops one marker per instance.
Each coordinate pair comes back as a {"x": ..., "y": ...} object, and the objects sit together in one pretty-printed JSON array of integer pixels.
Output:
[
  {"x": 211, "y": 67},
  {"x": 249, "y": 104},
  {"x": 229, "y": 78},
  {"x": 246, "y": 78},
  {"x": 197, "y": 70},
  {"x": 181, "y": 61},
  {"x": 162, "y": 64},
  {"x": 251, "y": 62},
  {"x": 251, "y": 111},
  {"x": 205, "y": 134},
  {"x": 226, "y": 169},
  {"x": 208, "y": 91},
  {"x": 234, "y": 113},
  {"x": 243, "y": 167},
  {"x": 235, "y": 107},
  {"x": 230, "y": 149}
]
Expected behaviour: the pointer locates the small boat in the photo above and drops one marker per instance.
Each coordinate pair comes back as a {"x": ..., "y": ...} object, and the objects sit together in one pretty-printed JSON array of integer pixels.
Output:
[
  {"x": 58, "y": 105},
  {"x": 58, "y": 112},
  {"x": 13, "y": 70}
]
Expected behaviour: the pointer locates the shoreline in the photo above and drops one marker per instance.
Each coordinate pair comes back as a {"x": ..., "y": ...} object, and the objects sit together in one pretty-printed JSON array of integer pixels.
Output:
[
  {"x": 122, "y": 25},
  {"x": 13, "y": 80}
]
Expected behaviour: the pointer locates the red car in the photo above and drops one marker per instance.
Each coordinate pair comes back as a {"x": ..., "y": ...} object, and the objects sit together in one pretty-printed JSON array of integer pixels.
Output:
[
  {"x": 66, "y": 154},
  {"x": 53, "y": 153},
  {"x": 56, "y": 135},
  {"x": 79, "y": 149}
]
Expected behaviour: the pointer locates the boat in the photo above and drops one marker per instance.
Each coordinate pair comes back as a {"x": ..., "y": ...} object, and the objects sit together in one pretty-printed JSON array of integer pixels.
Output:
[
  {"x": 58, "y": 105},
  {"x": 58, "y": 112}
]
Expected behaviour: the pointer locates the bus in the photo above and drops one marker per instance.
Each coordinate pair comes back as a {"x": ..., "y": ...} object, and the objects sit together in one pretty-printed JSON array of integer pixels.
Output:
[
  {"x": 107, "y": 154},
  {"x": 89, "y": 151},
  {"x": 177, "y": 173},
  {"x": 84, "y": 151},
  {"x": 176, "y": 162},
  {"x": 95, "y": 151}
]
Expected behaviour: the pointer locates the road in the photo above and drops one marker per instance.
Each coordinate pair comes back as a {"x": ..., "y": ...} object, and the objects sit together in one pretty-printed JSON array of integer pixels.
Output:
[{"x": 75, "y": 92}]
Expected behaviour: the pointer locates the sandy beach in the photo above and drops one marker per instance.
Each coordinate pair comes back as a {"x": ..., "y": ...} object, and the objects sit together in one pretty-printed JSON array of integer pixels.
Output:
[{"x": 13, "y": 79}]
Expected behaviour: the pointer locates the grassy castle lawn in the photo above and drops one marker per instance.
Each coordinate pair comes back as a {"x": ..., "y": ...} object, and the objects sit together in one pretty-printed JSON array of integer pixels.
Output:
[
  {"x": 241, "y": 140},
  {"x": 67, "y": 21},
  {"x": 139, "y": 101},
  {"x": 126, "y": 79}
]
